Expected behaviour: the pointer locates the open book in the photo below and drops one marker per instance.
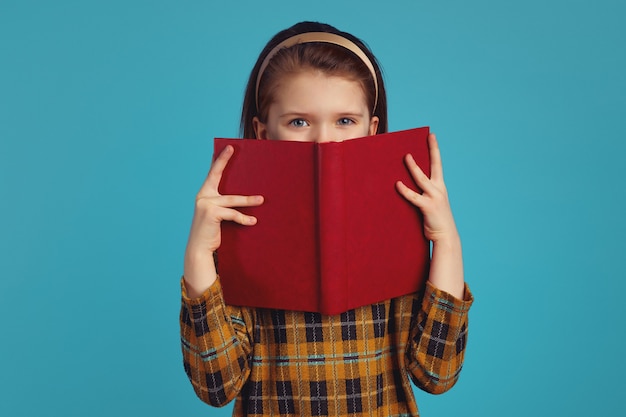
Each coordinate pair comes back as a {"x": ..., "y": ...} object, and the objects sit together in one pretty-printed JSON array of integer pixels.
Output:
[{"x": 333, "y": 233}]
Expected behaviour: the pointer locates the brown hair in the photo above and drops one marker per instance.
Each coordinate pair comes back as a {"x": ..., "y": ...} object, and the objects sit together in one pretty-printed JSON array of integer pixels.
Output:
[{"x": 329, "y": 58}]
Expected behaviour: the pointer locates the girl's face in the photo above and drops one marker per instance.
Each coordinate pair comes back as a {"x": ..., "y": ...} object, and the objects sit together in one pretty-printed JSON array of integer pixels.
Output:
[{"x": 313, "y": 107}]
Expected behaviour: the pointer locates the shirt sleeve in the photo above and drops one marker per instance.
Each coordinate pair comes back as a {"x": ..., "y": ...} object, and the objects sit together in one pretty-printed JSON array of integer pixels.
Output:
[
  {"x": 216, "y": 345},
  {"x": 437, "y": 339}
]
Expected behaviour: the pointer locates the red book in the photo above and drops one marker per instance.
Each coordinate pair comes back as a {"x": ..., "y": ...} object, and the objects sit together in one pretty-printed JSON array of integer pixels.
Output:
[{"x": 333, "y": 233}]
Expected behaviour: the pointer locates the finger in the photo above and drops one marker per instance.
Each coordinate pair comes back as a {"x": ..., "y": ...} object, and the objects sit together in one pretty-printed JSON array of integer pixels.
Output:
[
  {"x": 436, "y": 168},
  {"x": 409, "y": 194},
  {"x": 214, "y": 176},
  {"x": 238, "y": 200},
  {"x": 235, "y": 216},
  {"x": 418, "y": 175}
]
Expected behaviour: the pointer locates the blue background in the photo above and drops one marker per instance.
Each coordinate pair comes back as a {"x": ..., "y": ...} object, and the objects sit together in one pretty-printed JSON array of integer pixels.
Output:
[{"x": 107, "y": 114}]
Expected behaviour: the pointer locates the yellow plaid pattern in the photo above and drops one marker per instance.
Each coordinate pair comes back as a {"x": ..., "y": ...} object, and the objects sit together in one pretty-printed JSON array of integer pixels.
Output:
[{"x": 358, "y": 363}]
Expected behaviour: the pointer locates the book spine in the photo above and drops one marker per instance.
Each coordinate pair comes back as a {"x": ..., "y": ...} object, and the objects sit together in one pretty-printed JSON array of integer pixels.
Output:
[{"x": 331, "y": 228}]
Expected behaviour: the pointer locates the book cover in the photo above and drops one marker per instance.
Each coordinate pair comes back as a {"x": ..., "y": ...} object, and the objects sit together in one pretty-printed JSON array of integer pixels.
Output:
[{"x": 333, "y": 233}]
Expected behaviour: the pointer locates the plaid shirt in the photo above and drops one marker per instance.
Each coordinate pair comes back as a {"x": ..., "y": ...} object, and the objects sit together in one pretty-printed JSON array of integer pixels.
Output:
[{"x": 289, "y": 363}]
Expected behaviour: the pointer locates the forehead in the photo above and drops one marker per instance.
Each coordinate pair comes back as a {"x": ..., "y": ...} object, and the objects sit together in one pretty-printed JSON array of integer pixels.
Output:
[{"x": 311, "y": 89}]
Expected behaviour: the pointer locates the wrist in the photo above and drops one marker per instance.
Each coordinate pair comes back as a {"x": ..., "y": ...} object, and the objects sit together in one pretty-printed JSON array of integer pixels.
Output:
[
  {"x": 446, "y": 267},
  {"x": 199, "y": 272},
  {"x": 194, "y": 254},
  {"x": 450, "y": 240}
]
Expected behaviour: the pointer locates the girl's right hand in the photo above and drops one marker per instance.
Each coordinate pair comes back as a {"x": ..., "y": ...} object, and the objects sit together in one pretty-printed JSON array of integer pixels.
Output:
[{"x": 205, "y": 237}]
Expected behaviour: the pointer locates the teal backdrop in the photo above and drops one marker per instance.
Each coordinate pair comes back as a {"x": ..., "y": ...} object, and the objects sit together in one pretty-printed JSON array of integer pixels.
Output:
[{"x": 107, "y": 114}]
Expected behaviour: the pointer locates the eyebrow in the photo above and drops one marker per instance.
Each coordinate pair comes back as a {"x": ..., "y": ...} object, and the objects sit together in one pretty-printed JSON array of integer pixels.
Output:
[
  {"x": 293, "y": 114},
  {"x": 305, "y": 114}
]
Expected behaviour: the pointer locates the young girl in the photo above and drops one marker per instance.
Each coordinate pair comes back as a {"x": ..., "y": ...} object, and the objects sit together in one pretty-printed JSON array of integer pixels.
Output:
[{"x": 315, "y": 83}]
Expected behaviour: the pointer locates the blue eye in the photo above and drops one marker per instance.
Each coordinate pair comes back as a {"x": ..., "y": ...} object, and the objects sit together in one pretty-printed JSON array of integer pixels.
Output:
[
  {"x": 299, "y": 123},
  {"x": 345, "y": 121}
]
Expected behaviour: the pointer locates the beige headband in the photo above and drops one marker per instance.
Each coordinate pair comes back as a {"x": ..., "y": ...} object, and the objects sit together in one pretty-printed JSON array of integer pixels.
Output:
[{"x": 317, "y": 37}]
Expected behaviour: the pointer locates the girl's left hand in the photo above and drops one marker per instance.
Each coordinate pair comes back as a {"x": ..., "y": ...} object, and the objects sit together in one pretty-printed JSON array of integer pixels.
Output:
[
  {"x": 446, "y": 266},
  {"x": 433, "y": 202}
]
